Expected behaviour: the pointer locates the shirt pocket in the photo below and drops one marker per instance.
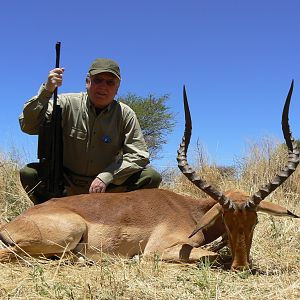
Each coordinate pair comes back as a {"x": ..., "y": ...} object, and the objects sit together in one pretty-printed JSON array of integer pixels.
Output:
[{"x": 78, "y": 134}]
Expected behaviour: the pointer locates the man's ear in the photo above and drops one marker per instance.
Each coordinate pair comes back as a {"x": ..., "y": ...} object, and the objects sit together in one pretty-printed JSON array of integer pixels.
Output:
[
  {"x": 87, "y": 81},
  {"x": 118, "y": 85}
]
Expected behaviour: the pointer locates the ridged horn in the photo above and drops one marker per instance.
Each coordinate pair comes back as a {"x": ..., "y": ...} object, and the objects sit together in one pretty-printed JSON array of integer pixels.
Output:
[
  {"x": 187, "y": 170},
  {"x": 293, "y": 158}
]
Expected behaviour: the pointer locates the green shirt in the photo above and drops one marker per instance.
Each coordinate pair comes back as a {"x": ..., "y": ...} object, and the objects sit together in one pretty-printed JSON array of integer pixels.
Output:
[{"x": 108, "y": 145}]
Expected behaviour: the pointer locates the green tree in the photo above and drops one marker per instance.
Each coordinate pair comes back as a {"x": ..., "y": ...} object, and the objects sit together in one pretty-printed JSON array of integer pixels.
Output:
[{"x": 155, "y": 119}]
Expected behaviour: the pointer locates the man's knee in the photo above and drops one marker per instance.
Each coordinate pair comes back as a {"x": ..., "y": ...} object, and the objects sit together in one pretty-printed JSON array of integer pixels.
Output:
[
  {"x": 152, "y": 176},
  {"x": 147, "y": 178},
  {"x": 32, "y": 184},
  {"x": 29, "y": 177},
  {"x": 155, "y": 178}
]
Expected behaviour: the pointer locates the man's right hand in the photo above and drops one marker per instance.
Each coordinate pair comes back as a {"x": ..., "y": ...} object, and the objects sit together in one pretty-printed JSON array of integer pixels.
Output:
[{"x": 54, "y": 80}]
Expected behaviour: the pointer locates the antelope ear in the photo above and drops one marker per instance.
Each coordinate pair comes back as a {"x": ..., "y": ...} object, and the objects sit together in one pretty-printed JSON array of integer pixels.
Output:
[
  {"x": 274, "y": 209},
  {"x": 209, "y": 218}
]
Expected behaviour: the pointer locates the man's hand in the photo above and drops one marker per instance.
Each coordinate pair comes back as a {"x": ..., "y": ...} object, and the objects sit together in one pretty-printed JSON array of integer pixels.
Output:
[
  {"x": 97, "y": 186},
  {"x": 54, "y": 80}
]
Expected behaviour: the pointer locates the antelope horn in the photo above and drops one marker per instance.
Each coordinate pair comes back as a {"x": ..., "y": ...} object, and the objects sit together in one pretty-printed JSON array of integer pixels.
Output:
[
  {"x": 187, "y": 170},
  {"x": 293, "y": 158}
]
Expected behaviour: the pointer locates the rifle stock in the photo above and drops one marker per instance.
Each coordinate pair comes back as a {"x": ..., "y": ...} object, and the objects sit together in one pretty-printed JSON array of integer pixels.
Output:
[{"x": 50, "y": 146}]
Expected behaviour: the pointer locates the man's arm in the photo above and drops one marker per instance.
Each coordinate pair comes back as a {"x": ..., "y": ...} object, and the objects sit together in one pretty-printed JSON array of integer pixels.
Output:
[
  {"x": 135, "y": 154},
  {"x": 38, "y": 106},
  {"x": 35, "y": 110}
]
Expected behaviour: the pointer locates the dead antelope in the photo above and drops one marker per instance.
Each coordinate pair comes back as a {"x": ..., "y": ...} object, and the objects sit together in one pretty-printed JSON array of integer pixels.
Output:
[{"x": 146, "y": 221}]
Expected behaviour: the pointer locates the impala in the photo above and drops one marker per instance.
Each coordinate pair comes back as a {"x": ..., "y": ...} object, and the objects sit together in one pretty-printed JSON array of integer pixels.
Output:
[{"x": 148, "y": 221}]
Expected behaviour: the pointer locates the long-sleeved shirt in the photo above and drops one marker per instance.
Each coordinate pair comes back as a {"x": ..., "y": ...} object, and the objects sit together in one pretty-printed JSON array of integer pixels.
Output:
[{"x": 108, "y": 145}]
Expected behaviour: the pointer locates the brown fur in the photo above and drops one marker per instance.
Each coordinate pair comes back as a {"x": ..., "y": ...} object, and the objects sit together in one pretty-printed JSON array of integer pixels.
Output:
[
  {"x": 125, "y": 224},
  {"x": 140, "y": 222}
]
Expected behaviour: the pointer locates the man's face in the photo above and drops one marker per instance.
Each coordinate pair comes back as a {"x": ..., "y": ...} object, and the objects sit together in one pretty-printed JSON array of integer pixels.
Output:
[{"x": 102, "y": 89}]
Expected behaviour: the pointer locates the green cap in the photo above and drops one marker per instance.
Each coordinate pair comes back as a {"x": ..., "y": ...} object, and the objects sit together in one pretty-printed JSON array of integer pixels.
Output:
[{"x": 101, "y": 65}]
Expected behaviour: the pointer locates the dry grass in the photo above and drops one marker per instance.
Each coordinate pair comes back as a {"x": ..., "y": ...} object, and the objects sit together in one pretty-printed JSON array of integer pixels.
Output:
[
  {"x": 13, "y": 199},
  {"x": 115, "y": 278},
  {"x": 275, "y": 251}
]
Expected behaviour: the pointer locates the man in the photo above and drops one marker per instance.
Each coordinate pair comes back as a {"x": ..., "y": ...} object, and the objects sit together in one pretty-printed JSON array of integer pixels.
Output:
[{"x": 104, "y": 149}]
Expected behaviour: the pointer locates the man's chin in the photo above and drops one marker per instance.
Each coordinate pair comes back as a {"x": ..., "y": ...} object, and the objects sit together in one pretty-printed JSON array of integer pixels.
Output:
[{"x": 101, "y": 102}]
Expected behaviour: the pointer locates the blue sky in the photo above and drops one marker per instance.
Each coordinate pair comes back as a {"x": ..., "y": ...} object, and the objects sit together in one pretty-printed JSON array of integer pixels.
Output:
[{"x": 236, "y": 58}]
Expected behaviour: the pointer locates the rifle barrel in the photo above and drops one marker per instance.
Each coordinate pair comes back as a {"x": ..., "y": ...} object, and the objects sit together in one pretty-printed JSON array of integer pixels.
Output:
[{"x": 57, "y": 48}]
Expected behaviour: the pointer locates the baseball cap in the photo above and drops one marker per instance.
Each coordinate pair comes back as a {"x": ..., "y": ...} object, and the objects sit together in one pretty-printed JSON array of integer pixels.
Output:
[{"x": 101, "y": 65}]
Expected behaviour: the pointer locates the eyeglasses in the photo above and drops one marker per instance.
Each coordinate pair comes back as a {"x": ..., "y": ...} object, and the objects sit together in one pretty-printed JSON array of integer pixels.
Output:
[{"x": 109, "y": 82}]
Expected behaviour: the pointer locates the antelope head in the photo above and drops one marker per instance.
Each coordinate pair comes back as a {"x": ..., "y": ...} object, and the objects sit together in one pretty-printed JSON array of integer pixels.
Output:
[{"x": 239, "y": 211}]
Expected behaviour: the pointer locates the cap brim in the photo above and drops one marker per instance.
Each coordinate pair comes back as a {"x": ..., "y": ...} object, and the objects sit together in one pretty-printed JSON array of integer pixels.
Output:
[{"x": 98, "y": 71}]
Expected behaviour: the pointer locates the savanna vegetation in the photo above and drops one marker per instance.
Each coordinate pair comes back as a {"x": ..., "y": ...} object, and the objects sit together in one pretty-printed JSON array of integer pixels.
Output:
[{"x": 275, "y": 250}]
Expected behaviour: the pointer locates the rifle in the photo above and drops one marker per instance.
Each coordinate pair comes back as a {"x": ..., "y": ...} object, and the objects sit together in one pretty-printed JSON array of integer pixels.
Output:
[{"x": 50, "y": 146}]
